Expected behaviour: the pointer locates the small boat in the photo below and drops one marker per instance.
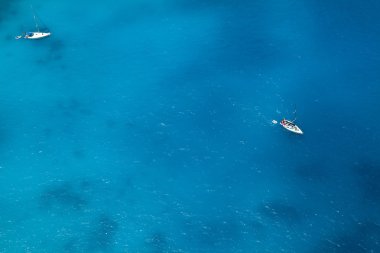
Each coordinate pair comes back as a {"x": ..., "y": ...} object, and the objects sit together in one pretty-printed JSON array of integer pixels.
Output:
[
  {"x": 34, "y": 35},
  {"x": 290, "y": 126}
]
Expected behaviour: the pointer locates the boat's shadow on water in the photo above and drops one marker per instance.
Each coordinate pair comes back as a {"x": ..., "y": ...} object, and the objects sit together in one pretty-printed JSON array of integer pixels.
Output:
[{"x": 50, "y": 50}]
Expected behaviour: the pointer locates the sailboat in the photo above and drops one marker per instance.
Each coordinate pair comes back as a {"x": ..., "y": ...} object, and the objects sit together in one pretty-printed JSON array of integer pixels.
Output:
[
  {"x": 289, "y": 125},
  {"x": 34, "y": 35}
]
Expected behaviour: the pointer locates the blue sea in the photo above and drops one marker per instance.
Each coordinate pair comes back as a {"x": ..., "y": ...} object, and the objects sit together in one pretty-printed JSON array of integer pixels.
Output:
[{"x": 145, "y": 126}]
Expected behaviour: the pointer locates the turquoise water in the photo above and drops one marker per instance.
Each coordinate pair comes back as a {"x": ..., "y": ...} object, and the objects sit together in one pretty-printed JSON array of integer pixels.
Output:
[{"x": 145, "y": 126}]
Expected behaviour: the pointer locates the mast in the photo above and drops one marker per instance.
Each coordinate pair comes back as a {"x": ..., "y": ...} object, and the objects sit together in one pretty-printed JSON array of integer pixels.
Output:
[
  {"x": 295, "y": 113},
  {"x": 35, "y": 18}
]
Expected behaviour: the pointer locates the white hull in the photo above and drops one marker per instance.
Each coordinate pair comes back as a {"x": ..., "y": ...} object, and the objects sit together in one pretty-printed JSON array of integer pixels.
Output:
[
  {"x": 290, "y": 126},
  {"x": 36, "y": 35}
]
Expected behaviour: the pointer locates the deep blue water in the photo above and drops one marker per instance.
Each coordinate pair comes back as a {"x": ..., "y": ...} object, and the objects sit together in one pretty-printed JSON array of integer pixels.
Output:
[{"x": 145, "y": 126}]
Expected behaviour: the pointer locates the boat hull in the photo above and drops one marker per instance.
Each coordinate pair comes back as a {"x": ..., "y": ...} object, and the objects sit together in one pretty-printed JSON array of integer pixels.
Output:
[
  {"x": 36, "y": 35},
  {"x": 291, "y": 127}
]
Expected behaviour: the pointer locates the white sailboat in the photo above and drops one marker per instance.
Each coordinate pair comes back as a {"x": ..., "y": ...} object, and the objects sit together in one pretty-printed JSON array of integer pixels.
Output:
[
  {"x": 289, "y": 125},
  {"x": 34, "y": 35}
]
